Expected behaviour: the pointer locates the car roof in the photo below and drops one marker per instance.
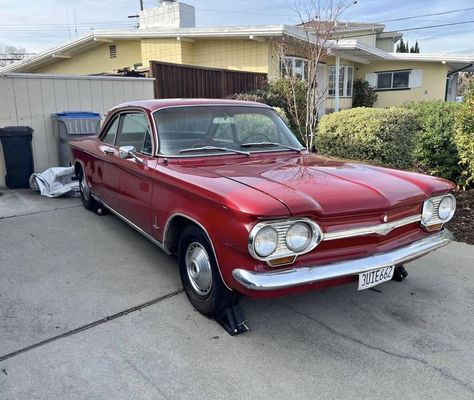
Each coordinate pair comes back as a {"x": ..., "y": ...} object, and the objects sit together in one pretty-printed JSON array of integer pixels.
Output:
[{"x": 153, "y": 105}]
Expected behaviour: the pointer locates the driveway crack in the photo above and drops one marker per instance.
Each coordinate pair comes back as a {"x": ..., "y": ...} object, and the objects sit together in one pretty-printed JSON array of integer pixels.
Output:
[
  {"x": 92, "y": 324},
  {"x": 334, "y": 331}
]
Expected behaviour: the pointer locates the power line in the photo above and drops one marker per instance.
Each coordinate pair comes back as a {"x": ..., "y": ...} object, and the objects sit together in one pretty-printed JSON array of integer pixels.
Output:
[
  {"x": 408, "y": 29},
  {"x": 427, "y": 15}
]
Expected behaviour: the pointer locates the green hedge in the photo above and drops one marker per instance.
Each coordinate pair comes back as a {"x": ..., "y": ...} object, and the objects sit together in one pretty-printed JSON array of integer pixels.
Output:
[
  {"x": 464, "y": 135},
  {"x": 379, "y": 135},
  {"x": 434, "y": 146}
]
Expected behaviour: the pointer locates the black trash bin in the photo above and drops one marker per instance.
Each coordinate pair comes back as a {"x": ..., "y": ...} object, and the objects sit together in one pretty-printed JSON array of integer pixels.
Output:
[{"x": 18, "y": 155}]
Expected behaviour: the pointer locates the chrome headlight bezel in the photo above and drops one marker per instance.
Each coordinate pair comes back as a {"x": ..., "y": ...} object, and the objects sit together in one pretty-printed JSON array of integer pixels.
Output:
[
  {"x": 430, "y": 211},
  {"x": 281, "y": 227}
]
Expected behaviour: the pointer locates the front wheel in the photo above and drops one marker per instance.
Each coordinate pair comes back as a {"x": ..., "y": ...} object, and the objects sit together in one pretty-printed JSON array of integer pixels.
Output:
[{"x": 200, "y": 275}]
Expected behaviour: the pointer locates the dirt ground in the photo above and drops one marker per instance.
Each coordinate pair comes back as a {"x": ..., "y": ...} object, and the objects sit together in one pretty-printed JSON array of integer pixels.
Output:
[{"x": 462, "y": 225}]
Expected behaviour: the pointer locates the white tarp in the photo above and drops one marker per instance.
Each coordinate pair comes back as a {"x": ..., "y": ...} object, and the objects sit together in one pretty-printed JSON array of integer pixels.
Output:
[{"x": 55, "y": 182}]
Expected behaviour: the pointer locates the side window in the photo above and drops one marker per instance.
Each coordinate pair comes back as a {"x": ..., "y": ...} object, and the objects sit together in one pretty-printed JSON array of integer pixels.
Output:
[
  {"x": 111, "y": 133},
  {"x": 135, "y": 132}
]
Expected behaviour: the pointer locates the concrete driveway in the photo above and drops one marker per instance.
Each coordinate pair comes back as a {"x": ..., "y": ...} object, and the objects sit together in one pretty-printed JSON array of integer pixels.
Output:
[{"x": 91, "y": 310}]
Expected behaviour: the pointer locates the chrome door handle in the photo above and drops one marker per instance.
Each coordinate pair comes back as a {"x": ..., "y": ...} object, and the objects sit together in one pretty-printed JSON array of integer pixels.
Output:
[{"x": 108, "y": 151}]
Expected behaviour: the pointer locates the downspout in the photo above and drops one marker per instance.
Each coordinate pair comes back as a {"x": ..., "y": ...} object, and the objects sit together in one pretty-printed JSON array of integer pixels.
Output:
[
  {"x": 336, "y": 85},
  {"x": 452, "y": 73}
]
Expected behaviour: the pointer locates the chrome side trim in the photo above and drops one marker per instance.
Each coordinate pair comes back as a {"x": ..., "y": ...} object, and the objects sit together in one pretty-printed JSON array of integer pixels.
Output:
[
  {"x": 382, "y": 229},
  {"x": 306, "y": 275},
  {"x": 165, "y": 232},
  {"x": 134, "y": 226}
]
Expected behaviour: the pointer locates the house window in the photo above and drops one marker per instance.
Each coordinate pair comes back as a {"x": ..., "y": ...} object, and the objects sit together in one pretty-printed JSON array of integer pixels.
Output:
[
  {"x": 393, "y": 80},
  {"x": 113, "y": 51},
  {"x": 346, "y": 76},
  {"x": 295, "y": 66}
]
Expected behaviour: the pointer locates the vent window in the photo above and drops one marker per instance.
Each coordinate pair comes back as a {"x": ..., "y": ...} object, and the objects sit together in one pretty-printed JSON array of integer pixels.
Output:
[{"x": 113, "y": 51}]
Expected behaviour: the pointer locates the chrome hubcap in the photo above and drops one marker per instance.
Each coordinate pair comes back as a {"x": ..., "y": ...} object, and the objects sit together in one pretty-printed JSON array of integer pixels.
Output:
[{"x": 198, "y": 267}]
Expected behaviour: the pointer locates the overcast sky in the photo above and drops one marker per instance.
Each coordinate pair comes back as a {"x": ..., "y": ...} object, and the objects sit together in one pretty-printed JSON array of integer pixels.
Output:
[{"x": 39, "y": 24}]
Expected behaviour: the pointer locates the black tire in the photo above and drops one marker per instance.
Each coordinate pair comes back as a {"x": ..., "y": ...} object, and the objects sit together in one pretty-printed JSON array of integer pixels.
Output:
[
  {"x": 88, "y": 201},
  {"x": 211, "y": 300}
]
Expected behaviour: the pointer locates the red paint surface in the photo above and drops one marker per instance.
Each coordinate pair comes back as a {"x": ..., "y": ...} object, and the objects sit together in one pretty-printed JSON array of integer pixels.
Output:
[{"x": 228, "y": 194}]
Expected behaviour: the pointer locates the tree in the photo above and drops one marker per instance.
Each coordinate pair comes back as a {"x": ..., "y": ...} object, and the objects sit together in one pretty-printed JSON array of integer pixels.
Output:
[
  {"x": 11, "y": 54},
  {"x": 402, "y": 47},
  {"x": 415, "y": 49},
  {"x": 464, "y": 81},
  {"x": 364, "y": 95},
  {"x": 318, "y": 23}
]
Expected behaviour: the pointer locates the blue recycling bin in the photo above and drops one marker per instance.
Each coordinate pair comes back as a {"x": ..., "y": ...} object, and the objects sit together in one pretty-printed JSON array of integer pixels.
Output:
[{"x": 73, "y": 125}]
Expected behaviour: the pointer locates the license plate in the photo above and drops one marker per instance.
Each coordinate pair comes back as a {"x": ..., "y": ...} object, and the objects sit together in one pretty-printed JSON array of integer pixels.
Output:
[{"x": 376, "y": 276}]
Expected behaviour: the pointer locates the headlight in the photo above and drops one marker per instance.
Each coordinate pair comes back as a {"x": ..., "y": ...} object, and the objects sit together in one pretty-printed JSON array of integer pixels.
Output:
[
  {"x": 279, "y": 242},
  {"x": 298, "y": 236},
  {"x": 446, "y": 208},
  {"x": 437, "y": 211},
  {"x": 266, "y": 241},
  {"x": 428, "y": 211}
]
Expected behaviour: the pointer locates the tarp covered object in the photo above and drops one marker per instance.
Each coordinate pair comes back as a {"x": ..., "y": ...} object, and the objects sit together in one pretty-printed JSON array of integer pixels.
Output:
[{"x": 55, "y": 182}]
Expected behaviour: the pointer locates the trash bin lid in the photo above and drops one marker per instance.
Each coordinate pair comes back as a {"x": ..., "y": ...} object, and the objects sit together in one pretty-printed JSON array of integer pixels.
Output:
[
  {"x": 76, "y": 115},
  {"x": 16, "y": 131}
]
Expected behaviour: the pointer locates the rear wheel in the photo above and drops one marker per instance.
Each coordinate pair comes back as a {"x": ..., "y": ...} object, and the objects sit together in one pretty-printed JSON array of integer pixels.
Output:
[
  {"x": 200, "y": 275},
  {"x": 87, "y": 200}
]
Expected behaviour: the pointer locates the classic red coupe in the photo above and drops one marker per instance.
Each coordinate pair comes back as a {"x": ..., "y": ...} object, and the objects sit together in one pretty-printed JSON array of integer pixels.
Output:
[{"x": 227, "y": 187}]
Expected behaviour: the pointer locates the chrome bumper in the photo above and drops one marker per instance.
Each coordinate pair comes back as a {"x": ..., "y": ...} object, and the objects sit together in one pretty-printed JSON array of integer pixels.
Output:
[{"x": 306, "y": 275}]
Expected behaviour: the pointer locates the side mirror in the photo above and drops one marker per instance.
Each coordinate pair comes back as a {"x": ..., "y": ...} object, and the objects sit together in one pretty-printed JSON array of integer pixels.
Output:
[{"x": 126, "y": 152}]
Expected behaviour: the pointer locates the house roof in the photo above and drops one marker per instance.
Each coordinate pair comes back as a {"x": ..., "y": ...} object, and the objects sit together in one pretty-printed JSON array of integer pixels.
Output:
[
  {"x": 354, "y": 28},
  {"x": 454, "y": 61},
  {"x": 95, "y": 38}
]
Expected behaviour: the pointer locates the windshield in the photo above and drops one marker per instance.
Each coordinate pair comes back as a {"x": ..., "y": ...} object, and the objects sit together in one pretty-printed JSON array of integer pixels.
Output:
[{"x": 207, "y": 130}]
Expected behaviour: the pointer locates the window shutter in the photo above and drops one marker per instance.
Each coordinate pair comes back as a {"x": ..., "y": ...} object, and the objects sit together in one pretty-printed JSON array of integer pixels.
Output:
[
  {"x": 372, "y": 79},
  {"x": 416, "y": 77}
]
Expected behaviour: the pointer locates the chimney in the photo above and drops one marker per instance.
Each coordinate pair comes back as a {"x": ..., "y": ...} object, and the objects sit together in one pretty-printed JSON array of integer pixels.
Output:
[{"x": 169, "y": 14}]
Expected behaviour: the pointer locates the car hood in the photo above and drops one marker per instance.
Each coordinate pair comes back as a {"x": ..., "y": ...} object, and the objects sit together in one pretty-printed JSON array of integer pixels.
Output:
[{"x": 314, "y": 184}]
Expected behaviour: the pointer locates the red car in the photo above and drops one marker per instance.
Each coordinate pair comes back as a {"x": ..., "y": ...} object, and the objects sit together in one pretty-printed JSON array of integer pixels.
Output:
[{"x": 226, "y": 186}]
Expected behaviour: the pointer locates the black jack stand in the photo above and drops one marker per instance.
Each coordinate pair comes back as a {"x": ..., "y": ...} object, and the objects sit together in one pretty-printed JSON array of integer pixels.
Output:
[
  {"x": 232, "y": 320},
  {"x": 400, "y": 273}
]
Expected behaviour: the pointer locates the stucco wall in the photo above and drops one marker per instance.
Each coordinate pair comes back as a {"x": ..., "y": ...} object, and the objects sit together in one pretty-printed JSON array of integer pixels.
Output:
[
  {"x": 95, "y": 60},
  {"x": 167, "y": 50},
  {"x": 385, "y": 44},
  {"x": 242, "y": 55},
  {"x": 433, "y": 82}
]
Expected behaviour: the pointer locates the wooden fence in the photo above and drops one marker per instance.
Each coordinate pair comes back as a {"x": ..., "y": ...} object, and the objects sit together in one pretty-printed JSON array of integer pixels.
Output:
[
  {"x": 185, "y": 81},
  {"x": 30, "y": 99}
]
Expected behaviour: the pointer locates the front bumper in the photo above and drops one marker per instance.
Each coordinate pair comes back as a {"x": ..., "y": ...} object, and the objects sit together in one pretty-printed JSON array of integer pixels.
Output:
[{"x": 306, "y": 275}]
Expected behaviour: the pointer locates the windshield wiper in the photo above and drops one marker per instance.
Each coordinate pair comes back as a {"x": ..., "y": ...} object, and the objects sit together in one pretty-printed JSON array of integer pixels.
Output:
[
  {"x": 206, "y": 148},
  {"x": 271, "y": 144}
]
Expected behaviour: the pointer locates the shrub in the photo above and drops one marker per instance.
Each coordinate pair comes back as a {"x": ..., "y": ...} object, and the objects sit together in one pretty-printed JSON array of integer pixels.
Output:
[
  {"x": 275, "y": 94},
  {"x": 364, "y": 95},
  {"x": 382, "y": 136},
  {"x": 434, "y": 147},
  {"x": 464, "y": 137}
]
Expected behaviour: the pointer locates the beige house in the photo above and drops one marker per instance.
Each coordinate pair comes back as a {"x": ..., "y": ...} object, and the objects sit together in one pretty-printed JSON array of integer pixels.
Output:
[{"x": 168, "y": 33}]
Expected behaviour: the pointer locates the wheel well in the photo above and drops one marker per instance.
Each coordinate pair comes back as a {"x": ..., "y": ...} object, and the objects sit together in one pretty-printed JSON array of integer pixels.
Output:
[
  {"x": 173, "y": 232},
  {"x": 77, "y": 168}
]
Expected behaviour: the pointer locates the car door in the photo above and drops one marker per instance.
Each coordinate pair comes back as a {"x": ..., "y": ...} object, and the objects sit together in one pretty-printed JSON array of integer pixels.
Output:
[
  {"x": 108, "y": 178},
  {"x": 130, "y": 180}
]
